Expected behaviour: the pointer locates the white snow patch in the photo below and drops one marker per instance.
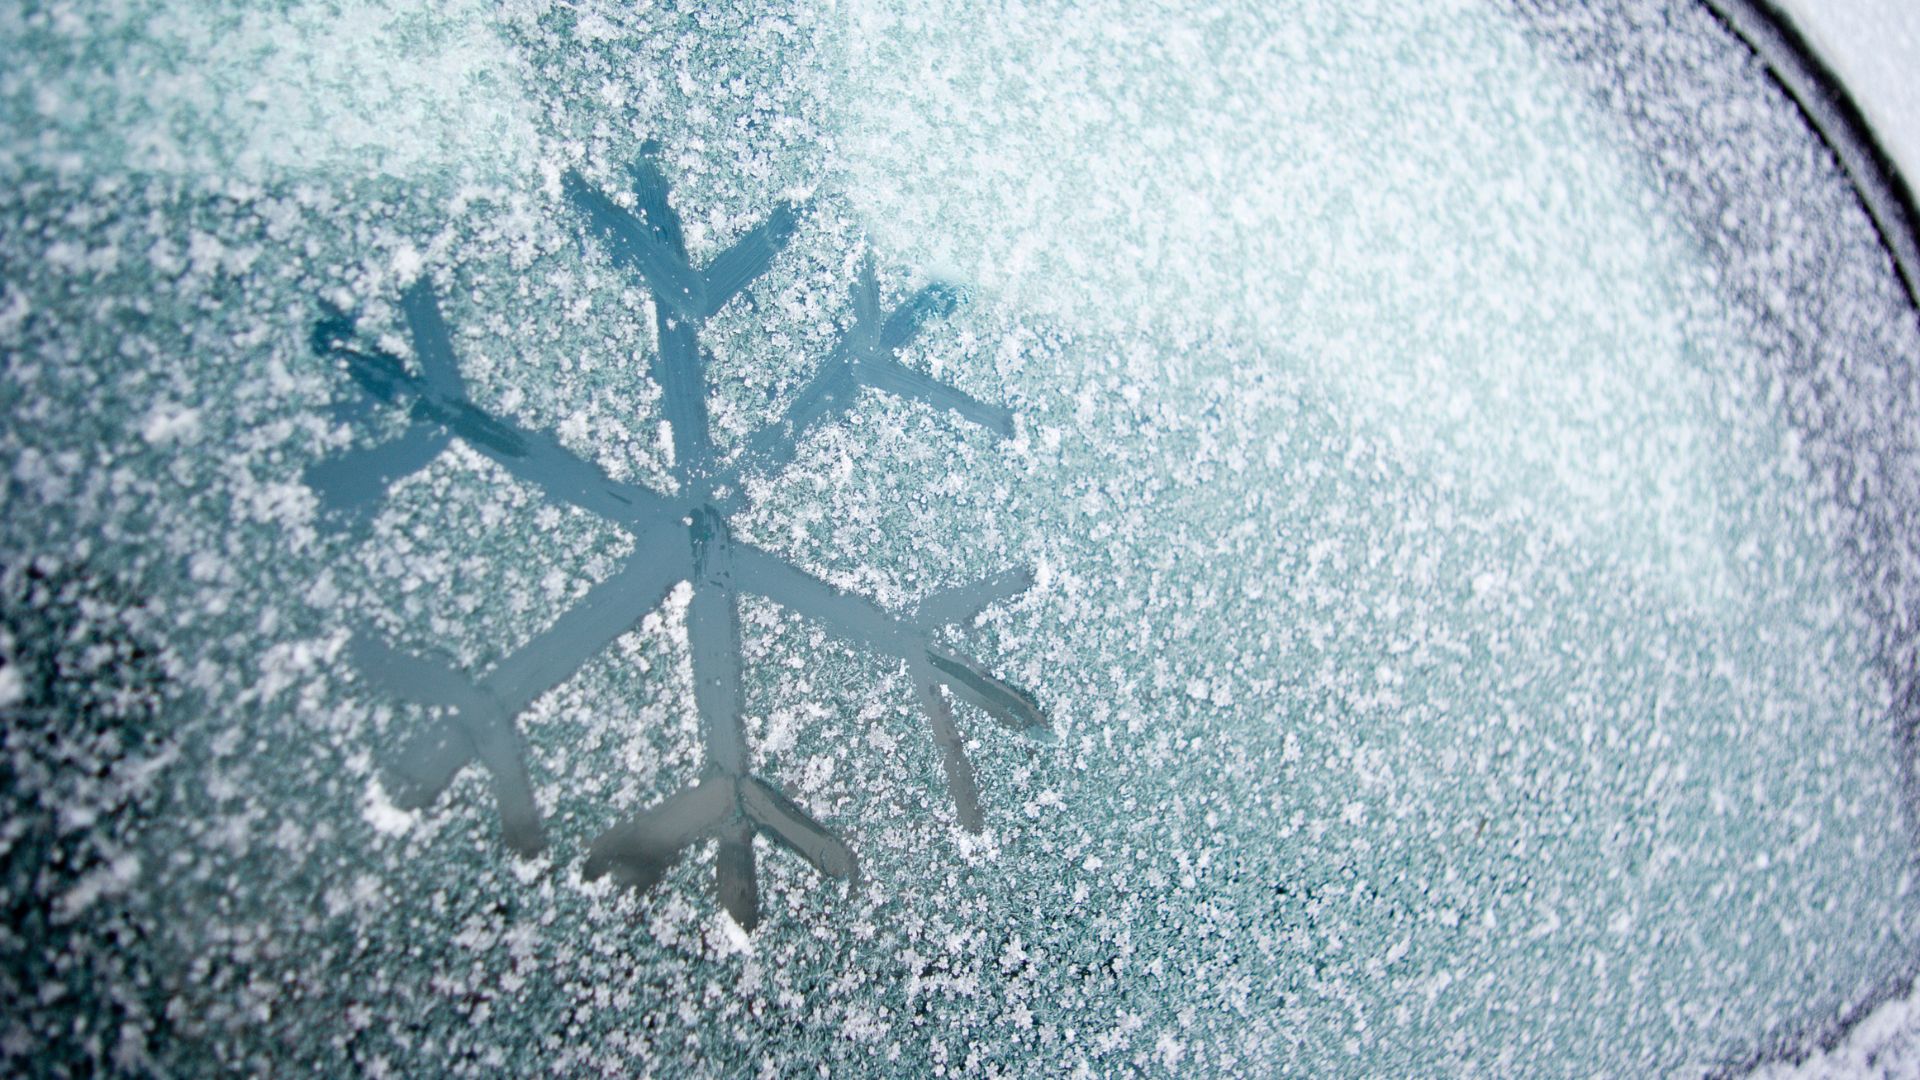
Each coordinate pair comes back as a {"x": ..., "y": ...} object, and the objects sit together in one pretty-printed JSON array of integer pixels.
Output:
[
  {"x": 731, "y": 938},
  {"x": 1874, "y": 45},
  {"x": 13, "y": 689},
  {"x": 407, "y": 262},
  {"x": 168, "y": 421},
  {"x": 266, "y": 91},
  {"x": 1886, "y": 1043},
  {"x": 114, "y": 878},
  {"x": 379, "y": 812},
  {"x": 1253, "y": 174}
]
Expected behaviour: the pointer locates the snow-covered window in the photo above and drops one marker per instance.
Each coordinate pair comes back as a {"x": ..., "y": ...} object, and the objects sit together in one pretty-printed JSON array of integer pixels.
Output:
[{"x": 1321, "y": 538}]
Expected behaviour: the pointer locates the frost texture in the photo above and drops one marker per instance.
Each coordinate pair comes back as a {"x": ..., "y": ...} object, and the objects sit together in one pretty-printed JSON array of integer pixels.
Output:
[
  {"x": 684, "y": 537},
  {"x": 1402, "y": 729},
  {"x": 265, "y": 91}
]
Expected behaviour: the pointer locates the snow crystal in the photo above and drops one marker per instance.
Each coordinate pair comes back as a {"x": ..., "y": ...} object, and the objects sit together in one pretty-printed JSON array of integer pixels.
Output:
[
  {"x": 169, "y": 422},
  {"x": 381, "y": 813}
]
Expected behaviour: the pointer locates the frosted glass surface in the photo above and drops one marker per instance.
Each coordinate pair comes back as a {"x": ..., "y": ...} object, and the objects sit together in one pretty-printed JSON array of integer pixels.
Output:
[{"x": 971, "y": 539}]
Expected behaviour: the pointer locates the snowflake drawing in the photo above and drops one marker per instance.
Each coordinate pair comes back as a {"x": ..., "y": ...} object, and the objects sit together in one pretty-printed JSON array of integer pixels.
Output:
[{"x": 679, "y": 537}]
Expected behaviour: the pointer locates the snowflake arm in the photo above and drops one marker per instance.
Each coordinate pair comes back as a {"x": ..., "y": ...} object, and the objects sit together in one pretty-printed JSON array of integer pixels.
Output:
[
  {"x": 642, "y": 849},
  {"x": 649, "y": 241},
  {"x": 930, "y": 665},
  {"x": 481, "y": 719},
  {"x": 867, "y": 625},
  {"x": 436, "y": 402},
  {"x": 680, "y": 369},
  {"x": 638, "y": 852},
  {"x": 478, "y": 727},
  {"x": 866, "y": 355},
  {"x": 864, "y": 623},
  {"x": 609, "y": 609},
  {"x": 713, "y": 639},
  {"x": 350, "y": 484}
]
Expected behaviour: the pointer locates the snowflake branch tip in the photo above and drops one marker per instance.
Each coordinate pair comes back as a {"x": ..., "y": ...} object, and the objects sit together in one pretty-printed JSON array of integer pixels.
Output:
[
  {"x": 649, "y": 241},
  {"x": 737, "y": 267},
  {"x": 638, "y": 852},
  {"x": 331, "y": 331},
  {"x": 962, "y": 787},
  {"x": 645, "y": 241},
  {"x": 432, "y": 341},
  {"x": 350, "y": 484},
  {"x": 475, "y": 727},
  {"x": 1010, "y": 706},
  {"x": 780, "y": 818},
  {"x": 925, "y": 307}
]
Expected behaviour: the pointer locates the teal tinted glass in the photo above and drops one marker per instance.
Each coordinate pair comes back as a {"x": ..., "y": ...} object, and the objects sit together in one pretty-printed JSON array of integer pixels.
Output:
[{"x": 1319, "y": 538}]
